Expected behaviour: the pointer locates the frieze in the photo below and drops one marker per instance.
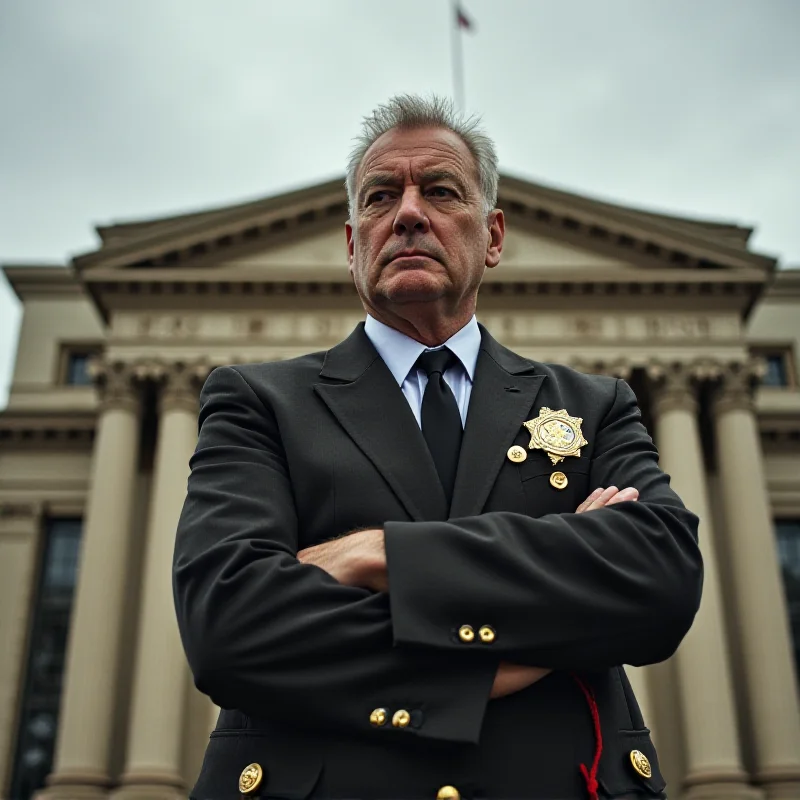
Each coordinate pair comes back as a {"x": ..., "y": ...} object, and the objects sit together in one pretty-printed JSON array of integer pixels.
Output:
[
  {"x": 673, "y": 327},
  {"x": 314, "y": 329},
  {"x": 20, "y": 510}
]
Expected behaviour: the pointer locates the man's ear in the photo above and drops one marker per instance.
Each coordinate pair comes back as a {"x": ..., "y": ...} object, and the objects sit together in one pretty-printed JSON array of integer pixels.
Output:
[
  {"x": 497, "y": 234},
  {"x": 351, "y": 246}
]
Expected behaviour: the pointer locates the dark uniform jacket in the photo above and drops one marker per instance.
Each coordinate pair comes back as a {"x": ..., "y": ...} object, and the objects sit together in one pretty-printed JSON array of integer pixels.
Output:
[{"x": 294, "y": 453}]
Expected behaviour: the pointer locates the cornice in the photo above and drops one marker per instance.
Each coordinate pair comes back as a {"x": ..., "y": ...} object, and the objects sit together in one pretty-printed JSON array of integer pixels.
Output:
[
  {"x": 116, "y": 232},
  {"x": 661, "y": 241},
  {"x": 326, "y": 275},
  {"x": 176, "y": 283},
  {"x": 42, "y": 280},
  {"x": 785, "y": 285},
  {"x": 47, "y": 430},
  {"x": 200, "y": 238}
]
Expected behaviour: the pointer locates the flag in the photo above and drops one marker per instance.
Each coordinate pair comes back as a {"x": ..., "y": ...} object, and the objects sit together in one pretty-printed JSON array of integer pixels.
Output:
[{"x": 462, "y": 20}]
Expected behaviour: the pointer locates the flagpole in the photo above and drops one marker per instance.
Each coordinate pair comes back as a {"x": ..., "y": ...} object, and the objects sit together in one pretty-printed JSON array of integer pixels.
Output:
[{"x": 458, "y": 58}]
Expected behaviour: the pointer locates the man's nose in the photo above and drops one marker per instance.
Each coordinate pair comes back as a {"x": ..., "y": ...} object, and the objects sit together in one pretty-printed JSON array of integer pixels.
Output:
[{"x": 411, "y": 216}]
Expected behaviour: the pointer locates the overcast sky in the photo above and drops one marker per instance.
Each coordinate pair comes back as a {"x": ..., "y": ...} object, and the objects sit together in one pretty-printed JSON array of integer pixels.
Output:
[{"x": 113, "y": 110}]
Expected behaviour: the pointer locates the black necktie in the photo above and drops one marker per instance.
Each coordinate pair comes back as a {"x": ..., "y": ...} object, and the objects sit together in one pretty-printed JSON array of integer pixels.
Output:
[{"x": 441, "y": 419}]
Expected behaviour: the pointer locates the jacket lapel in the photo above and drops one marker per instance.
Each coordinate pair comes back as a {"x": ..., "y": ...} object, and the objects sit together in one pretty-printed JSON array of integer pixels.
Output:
[
  {"x": 503, "y": 393},
  {"x": 372, "y": 409}
]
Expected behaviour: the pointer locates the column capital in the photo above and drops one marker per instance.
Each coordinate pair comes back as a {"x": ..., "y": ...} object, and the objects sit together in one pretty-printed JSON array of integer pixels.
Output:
[
  {"x": 736, "y": 385},
  {"x": 179, "y": 385},
  {"x": 616, "y": 368},
  {"x": 675, "y": 385},
  {"x": 117, "y": 383}
]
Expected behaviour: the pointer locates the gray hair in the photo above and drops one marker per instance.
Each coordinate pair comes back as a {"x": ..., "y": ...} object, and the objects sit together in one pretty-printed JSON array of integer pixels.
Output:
[{"x": 411, "y": 111}]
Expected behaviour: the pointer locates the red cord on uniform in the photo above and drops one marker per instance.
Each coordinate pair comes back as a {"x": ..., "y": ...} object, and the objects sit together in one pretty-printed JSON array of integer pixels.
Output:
[{"x": 590, "y": 775}]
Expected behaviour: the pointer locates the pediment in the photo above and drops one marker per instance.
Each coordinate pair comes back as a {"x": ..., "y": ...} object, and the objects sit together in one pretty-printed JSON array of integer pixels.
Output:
[
  {"x": 302, "y": 233},
  {"x": 325, "y": 249},
  {"x": 524, "y": 252}
]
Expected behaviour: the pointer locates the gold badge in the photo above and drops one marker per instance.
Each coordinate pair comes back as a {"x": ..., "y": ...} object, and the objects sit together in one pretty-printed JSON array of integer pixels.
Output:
[
  {"x": 557, "y": 433},
  {"x": 641, "y": 764}
]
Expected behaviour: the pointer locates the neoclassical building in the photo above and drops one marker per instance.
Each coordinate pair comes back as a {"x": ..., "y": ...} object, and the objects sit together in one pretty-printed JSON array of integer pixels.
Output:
[{"x": 96, "y": 699}]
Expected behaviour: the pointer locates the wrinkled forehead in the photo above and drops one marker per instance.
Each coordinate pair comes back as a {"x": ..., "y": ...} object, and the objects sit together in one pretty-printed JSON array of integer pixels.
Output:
[{"x": 406, "y": 151}]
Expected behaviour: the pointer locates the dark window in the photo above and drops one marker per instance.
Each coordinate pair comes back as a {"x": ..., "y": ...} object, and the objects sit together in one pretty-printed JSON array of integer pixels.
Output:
[
  {"x": 38, "y": 721},
  {"x": 779, "y": 361},
  {"x": 788, "y": 533},
  {"x": 78, "y": 369},
  {"x": 777, "y": 374}
]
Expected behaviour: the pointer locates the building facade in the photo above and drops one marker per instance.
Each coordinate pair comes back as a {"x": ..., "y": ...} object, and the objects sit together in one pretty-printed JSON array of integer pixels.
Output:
[{"x": 96, "y": 699}]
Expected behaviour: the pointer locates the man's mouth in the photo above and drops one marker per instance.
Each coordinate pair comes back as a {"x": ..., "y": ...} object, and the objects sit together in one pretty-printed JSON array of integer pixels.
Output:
[{"x": 411, "y": 255}]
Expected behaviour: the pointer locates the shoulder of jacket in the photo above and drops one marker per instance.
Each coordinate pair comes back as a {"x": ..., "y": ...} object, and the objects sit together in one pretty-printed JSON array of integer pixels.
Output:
[
  {"x": 309, "y": 364},
  {"x": 562, "y": 374}
]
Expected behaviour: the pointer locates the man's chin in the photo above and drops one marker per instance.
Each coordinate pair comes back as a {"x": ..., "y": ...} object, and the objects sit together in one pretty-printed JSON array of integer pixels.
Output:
[{"x": 411, "y": 288}]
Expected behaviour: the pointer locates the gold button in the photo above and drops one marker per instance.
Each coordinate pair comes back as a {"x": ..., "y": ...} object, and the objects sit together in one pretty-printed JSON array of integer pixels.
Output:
[
  {"x": 378, "y": 717},
  {"x": 641, "y": 764},
  {"x": 448, "y": 793},
  {"x": 251, "y": 778},
  {"x": 487, "y": 634},
  {"x": 466, "y": 634},
  {"x": 516, "y": 454},
  {"x": 401, "y": 718},
  {"x": 558, "y": 480}
]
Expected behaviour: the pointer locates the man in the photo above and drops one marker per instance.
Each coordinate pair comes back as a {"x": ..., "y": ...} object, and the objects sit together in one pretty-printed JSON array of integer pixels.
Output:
[{"x": 411, "y": 566}]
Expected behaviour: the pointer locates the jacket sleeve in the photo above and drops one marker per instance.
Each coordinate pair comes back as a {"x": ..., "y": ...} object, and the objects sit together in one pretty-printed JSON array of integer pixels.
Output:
[
  {"x": 272, "y": 637},
  {"x": 619, "y": 585}
]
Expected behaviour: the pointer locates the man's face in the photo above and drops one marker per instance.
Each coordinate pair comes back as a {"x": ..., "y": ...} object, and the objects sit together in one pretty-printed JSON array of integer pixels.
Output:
[{"x": 420, "y": 233}]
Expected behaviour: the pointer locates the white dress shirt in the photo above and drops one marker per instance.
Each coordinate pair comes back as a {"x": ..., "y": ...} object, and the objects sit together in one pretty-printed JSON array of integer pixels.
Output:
[{"x": 400, "y": 352}]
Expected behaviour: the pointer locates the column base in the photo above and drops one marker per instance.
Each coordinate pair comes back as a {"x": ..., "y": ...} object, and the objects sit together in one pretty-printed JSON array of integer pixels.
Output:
[
  {"x": 150, "y": 786},
  {"x": 148, "y": 792},
  {"x": 722, "y": 790},
  {"x": 72, "y": 792},
  {"x": 789, "y": 790},
  {"x": 780, "y": 783},
  {"x": 76, "y": 784}
]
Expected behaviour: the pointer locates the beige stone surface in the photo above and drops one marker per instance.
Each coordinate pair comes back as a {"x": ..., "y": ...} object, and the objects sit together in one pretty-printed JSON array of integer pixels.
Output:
[
  {"x": 87, "y": 713},
  {"x": 19, "y": 540},
  {"x": 713, "y": 754},
  {"x": 522, "y": 250},
  {"x": 46, "y": 324},
  {"x": 156, "y": 734},
  {"x": 768, "y": 668}
]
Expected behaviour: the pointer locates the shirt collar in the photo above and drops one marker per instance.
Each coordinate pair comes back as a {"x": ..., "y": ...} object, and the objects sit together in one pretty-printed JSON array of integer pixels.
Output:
[{"x": 400, "y": 352}]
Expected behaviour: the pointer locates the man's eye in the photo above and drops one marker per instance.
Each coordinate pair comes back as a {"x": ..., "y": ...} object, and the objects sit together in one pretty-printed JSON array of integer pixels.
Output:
[
  {"x": 377, "y": 197},
  {"x": 441, "y": 191}
]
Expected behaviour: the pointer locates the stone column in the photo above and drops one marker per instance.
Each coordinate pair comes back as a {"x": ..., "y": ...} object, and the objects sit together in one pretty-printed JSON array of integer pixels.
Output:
[
  {"x": 213, "y": 715},
  {"x": 761, "y": 612},
  {"x": 85, "y": 729},
  {"x": 153, "y": 758},
  {"x": 638, "y": 680},
  {"x": 20, "y": 527},
  {"x": 713, "y": 755}
]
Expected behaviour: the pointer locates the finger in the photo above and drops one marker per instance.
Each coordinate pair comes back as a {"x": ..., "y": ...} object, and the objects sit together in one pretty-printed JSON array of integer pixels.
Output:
[
  {"x": 626, "y": 494},
  {"x": 603, "y": 498},
  {"x": 585, "y": 504}
]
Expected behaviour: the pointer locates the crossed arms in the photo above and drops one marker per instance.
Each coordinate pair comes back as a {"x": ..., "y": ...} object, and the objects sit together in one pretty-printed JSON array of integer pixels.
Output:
[
  {"x": 273, "y": 636},
  {"x": 359, "y": 560}
]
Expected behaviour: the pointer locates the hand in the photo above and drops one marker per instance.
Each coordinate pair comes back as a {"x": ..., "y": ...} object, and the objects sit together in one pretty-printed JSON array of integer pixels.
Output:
[
  {"x": 357, "y": 559},
  {"x": 511, "y": 678},
  {"x": 600, "y": 498}
]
